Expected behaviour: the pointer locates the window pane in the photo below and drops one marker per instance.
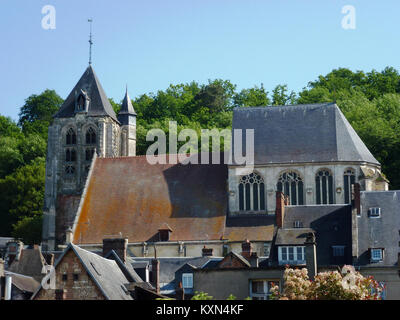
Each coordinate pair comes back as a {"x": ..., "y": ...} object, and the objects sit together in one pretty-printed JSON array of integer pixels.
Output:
[
  {"x": 324, "y": 190},
  {"x": 300, "y": 186},
  {"x": 346, "y": 189},
  {"x": 247, "y": 187},
  {"x": 293, "y": 200},
  {"x": 255, "y": 196},
  {"x": 291, "y": 253},
  {"x": 318, "y": 190},
  {"x": 300, "y": 253},
  {"x": 284, "y": 253}
]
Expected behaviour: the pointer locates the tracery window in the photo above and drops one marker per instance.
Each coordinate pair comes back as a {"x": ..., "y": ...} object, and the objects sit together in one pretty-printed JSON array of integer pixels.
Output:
[
  {"x": 70, "y": 155},
  {"x": 70, "y": 136},
  {"x": 251, "y": 193},
  {"x": 69, "y": 170},
  {"x": 324, "y": 187},
  {"x": 291, "y": 184},
  {"x": 90, "y": 136},
  {"x": 349, "y": 178}
]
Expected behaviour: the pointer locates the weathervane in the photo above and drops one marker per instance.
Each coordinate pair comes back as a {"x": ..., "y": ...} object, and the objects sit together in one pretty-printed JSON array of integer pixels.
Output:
[{"x": 90, "y": 42}]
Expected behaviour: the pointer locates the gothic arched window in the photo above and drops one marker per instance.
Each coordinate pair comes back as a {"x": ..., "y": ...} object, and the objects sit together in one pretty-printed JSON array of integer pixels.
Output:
[
  {"x": 71, "y": 136},
  {"x": 291, "y": 184},
  {"x": 90, "y": 136},
  {"x": 324, "y": 187},
  {"x": 70, "y": 155},
  {"x": 251, "y": 193},
  {"x": 349, "y": 178}
]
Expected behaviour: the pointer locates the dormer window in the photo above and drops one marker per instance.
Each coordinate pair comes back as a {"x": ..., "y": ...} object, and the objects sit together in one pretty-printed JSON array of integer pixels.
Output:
[
  {"x": 81, "y": 103},
  {"x": 164, "y": 232},
  {"x": 297, "y": 224},
  {"x": 374, "y": 212},
  {"x": 376, "y": 254}
]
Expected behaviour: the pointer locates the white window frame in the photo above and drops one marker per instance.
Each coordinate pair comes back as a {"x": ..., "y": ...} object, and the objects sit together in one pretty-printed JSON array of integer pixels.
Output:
[
  {"x": 265, "y": 294},
  {"x": 295, "y": 260},
  {"x": 187, "y": 277},
  {"x": 375, "y": 250},
  {"x": 374, "y": 212}
]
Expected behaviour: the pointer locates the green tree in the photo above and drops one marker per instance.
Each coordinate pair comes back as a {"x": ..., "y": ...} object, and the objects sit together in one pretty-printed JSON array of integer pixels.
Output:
[
  {"x": 22, "y": 194},
  {"x": 281, "y": 96},
  {"x": 29, "y": 229},
  {"x": 253, "y": 97},
  {"x": 36, "y": 114}
]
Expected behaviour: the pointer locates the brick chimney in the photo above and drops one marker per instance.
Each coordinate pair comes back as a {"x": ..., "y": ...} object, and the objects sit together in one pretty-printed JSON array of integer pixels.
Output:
[
  {"x": 119, "y": 245},
  {"x": 207, "y": 252},
  {"x": 155, "y": 267},
  {"x": 246, "y": 249},
  {"x": 311, "y": 255},
  {"x": 180, "y": 292},
  {"x": 355, "y": 199},
  {"x": 248, "y": 254},
  {"x": 281, "y": 201}
]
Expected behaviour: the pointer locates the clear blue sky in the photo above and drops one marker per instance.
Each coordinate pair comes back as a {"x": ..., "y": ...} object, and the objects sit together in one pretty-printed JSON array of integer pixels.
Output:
[{"x": 149, "y": 44}]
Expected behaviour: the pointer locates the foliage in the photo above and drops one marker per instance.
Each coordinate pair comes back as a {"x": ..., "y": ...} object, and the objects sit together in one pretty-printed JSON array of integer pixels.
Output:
[
  {"x": 22, "y": 195},
  {"x": 231, "y": 297},
  {"x": 331, "y": 285},
  {"x": 252, "y": 97},
  {"x": 36, "y": 114},
  {"x": 201, "y": 296},
  {"x": 29, "y": 229}
]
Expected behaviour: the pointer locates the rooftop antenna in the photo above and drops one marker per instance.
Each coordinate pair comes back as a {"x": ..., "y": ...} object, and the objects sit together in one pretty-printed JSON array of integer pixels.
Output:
[{"x": 90, "y": 42}]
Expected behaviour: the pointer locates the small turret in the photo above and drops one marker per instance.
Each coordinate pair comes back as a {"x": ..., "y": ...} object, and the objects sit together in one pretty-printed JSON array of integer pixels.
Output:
[{"x": 127, "y": 118}]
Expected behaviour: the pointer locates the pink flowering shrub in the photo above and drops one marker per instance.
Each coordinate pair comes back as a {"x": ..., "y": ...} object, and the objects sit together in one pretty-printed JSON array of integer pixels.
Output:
[{"x": 332, "y": 285}]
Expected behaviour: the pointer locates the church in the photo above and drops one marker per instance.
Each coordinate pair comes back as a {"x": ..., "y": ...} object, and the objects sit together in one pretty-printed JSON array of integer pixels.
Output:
[{"x": 96, "y": 186}]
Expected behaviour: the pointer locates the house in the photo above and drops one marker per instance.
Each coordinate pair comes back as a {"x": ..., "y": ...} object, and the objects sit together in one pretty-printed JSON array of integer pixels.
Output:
[{"x": 378, "y": 238}]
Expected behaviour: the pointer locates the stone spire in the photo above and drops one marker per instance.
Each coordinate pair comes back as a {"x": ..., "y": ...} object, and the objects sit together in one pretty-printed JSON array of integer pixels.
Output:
[{"x": 126, "y": 108}]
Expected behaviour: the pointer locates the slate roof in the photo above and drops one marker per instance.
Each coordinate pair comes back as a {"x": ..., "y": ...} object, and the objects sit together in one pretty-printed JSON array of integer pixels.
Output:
[
  {"x": 99, "y": 104},
  {"x": 331, "y": 223},
  {"x": 104, "y": 272},
  {"x": 171, "y": 268},
  {"x": 380, "y": 232},
  {"x": 126, "y": 106},
  {"x": 295, "y": 236},
  {"x": 140, "y": 197},
  {"x": 23, "y": 282},
  {"x": 301, "y": 133},
  {"x": 30, "y": 263}
]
